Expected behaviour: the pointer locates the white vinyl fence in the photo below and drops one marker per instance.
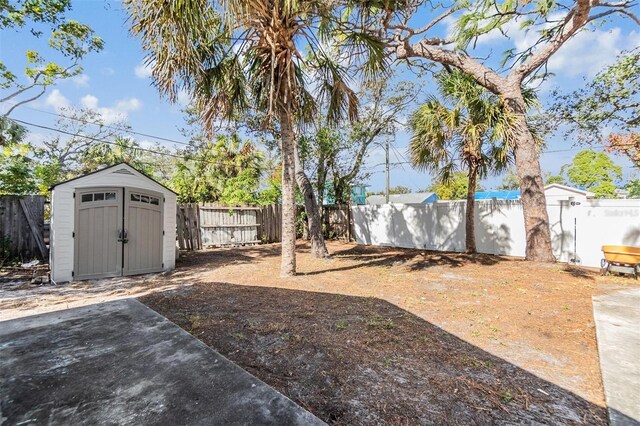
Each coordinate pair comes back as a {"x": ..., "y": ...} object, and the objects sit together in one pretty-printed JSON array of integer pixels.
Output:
[{"x": 587, "y": 226}]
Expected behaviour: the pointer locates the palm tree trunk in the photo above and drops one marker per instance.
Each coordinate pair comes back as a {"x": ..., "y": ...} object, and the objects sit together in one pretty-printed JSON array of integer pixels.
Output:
[
  {"x": 469, "y": 226},
  {"x": 288, "y": 254},
  {"x": 318, "y": 247},
  {"x": 534, "y": 206}
]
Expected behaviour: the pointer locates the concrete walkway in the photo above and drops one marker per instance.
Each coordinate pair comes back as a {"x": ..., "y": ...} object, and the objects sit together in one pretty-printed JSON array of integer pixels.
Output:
[
  {"x": 122, "y": 363},
  {"x": 617, "y": 317}
]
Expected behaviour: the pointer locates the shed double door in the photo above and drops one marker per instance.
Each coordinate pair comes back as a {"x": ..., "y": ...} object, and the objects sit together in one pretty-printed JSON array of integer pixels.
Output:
[{"x": 118, "y": 231}]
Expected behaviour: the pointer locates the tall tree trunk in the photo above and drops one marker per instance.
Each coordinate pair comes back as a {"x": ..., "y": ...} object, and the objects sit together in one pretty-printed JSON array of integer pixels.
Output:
[
  {"x": 534, "y": 205},
  {"x": 318, "y": 247},
  {"x": 321, "y": 183},
  {"x": 288, "y": 254},
  {"x": 469, "y": 226}
]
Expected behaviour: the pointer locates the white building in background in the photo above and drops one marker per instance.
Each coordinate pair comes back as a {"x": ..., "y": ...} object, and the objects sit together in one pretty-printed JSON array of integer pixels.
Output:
[{"x": 556, "y": 192}]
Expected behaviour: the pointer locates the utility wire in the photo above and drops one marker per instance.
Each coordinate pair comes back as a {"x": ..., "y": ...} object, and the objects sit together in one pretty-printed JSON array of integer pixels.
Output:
[
  {"x": 108, "y": 142},
  {"x": 185, "y": 143},
  {"x": 95, "y": 123},
  {"x": 398, "y": 153}
]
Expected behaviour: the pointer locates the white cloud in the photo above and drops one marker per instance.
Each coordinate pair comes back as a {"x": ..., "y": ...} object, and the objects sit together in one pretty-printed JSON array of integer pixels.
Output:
[
  {"x": 586, "y": 53},
  {"x": 57, "y": 100},
  {"x": 146, "y": 144},
  {"x": 35, "y": 138},
  {"x": 81, "y": 80},
  {"x": 118, "y": 112},
  {"x": 589, "y": 52},
  {"x": 131, "y": 104},
  {"x": 184, "y": 98},
  {"x": 143, "y": 70},
  {"x": 89, "y": 102}
]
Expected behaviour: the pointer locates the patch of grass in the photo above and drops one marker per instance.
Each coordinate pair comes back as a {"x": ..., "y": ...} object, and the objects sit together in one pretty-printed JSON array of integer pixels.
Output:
[
  {"x": 565, "y": 307},
  {"x": 475, "y": 362},
  {"x": 238, "y": 336},
  {"x": 506, "y": 396},
  {"x": 341, "y": 325},
  {"x": 379, "y": 322},
  {"x": 196, "y": 321},
  {"x": 388, "y": 361}
]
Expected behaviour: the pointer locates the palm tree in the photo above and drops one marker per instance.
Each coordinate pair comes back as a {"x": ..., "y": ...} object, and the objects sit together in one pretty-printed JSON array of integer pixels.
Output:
[
  {"x": 236, "y": 55},
  {"x": 469, "y": 129}
]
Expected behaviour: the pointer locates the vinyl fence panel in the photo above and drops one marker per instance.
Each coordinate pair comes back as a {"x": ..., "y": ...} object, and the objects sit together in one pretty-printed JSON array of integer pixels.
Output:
[{"x": 578, "y": 230}]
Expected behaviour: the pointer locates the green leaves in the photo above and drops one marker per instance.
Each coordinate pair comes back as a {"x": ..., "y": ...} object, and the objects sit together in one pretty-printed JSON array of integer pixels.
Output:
[
  {"x": 233, "y": 56},
  {"x": 19, "y": 13},
  {"x": 363, "y": 45},
  {"x": 594, "y": 171},
  {"x": 454, "y": 187},
  {"x": 71, "y": 39},
  {"x": 225, "y": 169},
  {"x": 611, "y": 100},
  {"x": 467, "y": 127},
  {"x": 74, "y": 40}
]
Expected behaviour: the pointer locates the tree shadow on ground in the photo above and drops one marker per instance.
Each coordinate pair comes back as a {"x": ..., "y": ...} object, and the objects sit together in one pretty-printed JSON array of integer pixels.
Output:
[
  {"x": 201, "y": 260},
  {"x": 358, "y": 360},
  {"x": 412, "y": 259},
  {"x": 579, "y": 272}
]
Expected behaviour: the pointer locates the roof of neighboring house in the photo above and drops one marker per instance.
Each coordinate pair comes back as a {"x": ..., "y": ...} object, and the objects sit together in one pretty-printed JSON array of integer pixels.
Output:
[
  {"x": 513, "y": 194},
  {"x": 413, "y": 198},
  {"x": 570, "y": 189}
]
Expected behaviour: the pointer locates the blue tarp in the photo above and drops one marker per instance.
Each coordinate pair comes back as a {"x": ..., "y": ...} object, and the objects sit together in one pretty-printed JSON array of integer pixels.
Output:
[{"x": 499, "y": 195}]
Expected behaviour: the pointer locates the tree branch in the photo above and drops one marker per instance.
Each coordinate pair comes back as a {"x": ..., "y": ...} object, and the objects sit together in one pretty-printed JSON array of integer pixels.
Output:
[
  {"x": 483, "y": 74},
  {"x": 575, "y": 19},
  {"x": 25, "y": 101}
]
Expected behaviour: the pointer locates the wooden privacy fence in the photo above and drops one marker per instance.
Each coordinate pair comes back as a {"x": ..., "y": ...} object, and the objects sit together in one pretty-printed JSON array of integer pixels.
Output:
[
  {"x": 188, "y": 227},
  {"x": 270, "y": 223},
  {"x": 223, "y": 225},
  {"x": 22, "y": 227},
  {"x": 337, "y": 221},
  {"x": 217, "y": 225}
]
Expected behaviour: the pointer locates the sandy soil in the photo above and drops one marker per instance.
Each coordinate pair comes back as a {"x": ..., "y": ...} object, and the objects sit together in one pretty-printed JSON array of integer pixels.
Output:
[{"x": 536, "y": 318}]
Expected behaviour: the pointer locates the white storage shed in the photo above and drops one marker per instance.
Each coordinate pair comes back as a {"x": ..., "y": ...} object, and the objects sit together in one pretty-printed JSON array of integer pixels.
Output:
[{"x": 113, "y": 222}]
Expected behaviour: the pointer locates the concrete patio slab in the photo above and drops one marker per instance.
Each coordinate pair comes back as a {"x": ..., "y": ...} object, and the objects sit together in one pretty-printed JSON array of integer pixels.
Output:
[
  {"x": 617, "y": 317},
  {"x": 122, "y": 363}
]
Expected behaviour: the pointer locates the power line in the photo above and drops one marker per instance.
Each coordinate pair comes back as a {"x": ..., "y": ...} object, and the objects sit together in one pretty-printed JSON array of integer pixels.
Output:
[
  {"x": 187, "y": 144},
  {"x": 39, "y": 126},
  {"x": 398, "y": 153},
  {"x": 108, "y": 142},
  {"x": 95, "y": 123}
]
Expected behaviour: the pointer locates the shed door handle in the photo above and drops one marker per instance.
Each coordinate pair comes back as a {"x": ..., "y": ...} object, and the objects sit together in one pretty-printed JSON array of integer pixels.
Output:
[{"x": 123, "y": 236}]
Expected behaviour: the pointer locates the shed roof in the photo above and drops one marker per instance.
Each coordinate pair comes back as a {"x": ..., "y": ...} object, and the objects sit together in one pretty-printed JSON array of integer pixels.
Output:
[
  {"x": 123, "y": 165},
  {"x": 412, "y": 198}
]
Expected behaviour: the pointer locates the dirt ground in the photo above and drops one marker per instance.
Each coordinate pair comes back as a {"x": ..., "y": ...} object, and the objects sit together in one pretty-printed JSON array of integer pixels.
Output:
[{"x": 382, "y": 335}]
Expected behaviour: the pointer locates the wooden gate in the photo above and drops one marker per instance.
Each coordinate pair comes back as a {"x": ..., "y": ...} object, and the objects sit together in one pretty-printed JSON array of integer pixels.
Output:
[{"x": 22, "y": 227}]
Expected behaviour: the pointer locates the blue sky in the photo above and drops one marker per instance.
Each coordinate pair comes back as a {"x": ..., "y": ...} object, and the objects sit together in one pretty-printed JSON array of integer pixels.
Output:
[{"x": 115, "y": 83}]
